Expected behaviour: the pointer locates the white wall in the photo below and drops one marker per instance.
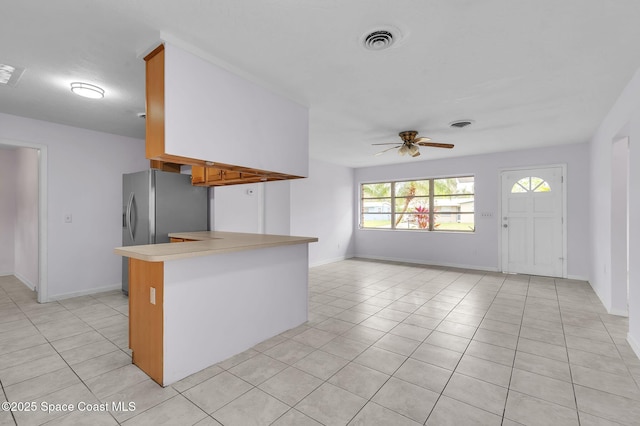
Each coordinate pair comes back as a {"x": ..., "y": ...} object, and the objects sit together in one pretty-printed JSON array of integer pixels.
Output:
[
  {"x": 238, "y": 208},
  {"x": 7, "y": 210},
  {"x": 481, "y": 249},
  {"x": 277, "y": 208},
  {"x": 255, "y": 207},
  {"x": 26, "y": 223},
  {"x": 622, "y": 120},
  {"x": 323, "y": 206},
  {"x": 84, "y": 179}
]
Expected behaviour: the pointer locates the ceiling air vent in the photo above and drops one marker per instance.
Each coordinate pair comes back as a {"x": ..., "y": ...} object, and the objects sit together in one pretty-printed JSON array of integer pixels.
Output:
[
  {"x": 378, "y": 40},
  {"x": 10, "y": 74},
  {"x": 460, "y": 124}
]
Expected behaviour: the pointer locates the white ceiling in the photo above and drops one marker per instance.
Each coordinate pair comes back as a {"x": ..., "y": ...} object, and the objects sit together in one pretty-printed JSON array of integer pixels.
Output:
[{"x": 529, "y": 72}]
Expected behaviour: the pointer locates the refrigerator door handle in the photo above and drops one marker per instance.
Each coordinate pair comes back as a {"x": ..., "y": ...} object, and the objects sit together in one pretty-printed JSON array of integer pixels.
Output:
[{"x": 129, "y": 211}]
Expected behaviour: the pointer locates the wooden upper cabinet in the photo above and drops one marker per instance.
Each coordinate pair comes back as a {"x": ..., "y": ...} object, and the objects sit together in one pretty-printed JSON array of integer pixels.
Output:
[
  {"x": 155, "y": 104},
  {"x": 229, "y": 130},
  {"x": 213, "y": 176}
]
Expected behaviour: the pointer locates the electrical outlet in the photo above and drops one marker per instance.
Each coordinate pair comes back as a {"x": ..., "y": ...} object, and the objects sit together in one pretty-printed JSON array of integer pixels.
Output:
[{"x": 68, "y": 218}]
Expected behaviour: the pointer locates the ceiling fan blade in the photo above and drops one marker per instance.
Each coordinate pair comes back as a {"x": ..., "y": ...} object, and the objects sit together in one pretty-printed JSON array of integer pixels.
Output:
[
  {"x": 388, "y": 149},
  {"x": 421, "y": 139},
  {"x": 436, "y": 145},
  {"x": 388, "y": 143}
]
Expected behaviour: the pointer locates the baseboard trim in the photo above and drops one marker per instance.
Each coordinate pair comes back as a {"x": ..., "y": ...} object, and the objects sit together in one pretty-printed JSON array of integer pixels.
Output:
[
  {"x": 634, "y": 345},
  {"x": 84, "y": 292},
  {"x": 605, "y": 303},
  {"x": 6, "y": 274},
  {"x": 577, "y": 278},
  {"x": 327, "y": 261},
  {"x": 595, "y": 290},
  {"x": 25, "y": 281},
  {"x": 619, "y": 312},
  {"x": 423, "y": 262}
]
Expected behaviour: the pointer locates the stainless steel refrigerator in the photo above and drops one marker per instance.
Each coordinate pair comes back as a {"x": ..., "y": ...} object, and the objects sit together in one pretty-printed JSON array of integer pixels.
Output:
[{"x": 155, "y": 203}]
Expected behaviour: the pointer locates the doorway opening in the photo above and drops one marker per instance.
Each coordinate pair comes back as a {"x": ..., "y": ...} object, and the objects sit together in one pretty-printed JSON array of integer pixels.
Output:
[{"x": 37, "y": 278}]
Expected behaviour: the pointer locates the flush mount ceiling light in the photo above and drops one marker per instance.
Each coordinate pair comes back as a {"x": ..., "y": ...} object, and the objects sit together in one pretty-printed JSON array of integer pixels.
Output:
[{"x": 87, "y": 90}]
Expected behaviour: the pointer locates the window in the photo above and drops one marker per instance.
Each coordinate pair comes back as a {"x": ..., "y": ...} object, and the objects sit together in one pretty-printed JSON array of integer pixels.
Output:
[
  {"x": 531, "y": 184},
  {"x": 409, "y": 204}
]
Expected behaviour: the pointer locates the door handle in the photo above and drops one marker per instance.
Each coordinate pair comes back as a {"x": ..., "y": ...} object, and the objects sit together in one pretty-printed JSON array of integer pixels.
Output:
[
  {"x": 128, "y": 215},
  {"x": 505, "y": 226}
]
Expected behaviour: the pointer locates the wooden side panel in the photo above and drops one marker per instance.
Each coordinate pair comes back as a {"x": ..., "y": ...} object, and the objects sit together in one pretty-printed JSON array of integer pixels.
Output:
[
  {"x": 197, "y": 175},
  {"x": 155, "y": 103},
  {"x": 146, "y": 320},
  {"x": 164, "y": 166}
]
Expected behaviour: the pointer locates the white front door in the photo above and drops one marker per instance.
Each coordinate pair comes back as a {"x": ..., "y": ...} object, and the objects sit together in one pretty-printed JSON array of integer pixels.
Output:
[{"x": 532, "y": 221}]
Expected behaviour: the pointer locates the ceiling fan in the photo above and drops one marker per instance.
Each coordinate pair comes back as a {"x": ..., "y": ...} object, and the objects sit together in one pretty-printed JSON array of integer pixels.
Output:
[{"x": 410, "y": 144}]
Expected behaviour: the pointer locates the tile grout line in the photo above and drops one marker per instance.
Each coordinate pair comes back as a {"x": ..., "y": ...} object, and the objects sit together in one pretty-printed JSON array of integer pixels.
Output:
[
  {"x": 343, "y": 287},
  {"x": 407, "y": 357},
  {"x": 435, "y": 329},
  {"x": 72, "y": 369},
  {"x": 573, "y": 384},
  {"x": 463, "y": 353},
  {"x": 368, "y": 347},
  {"x": 7, "y": 399},
  {"x": 353, "y": 360},
  {"x": 564, "y": 336},
  {"x": 49, "y": 342},
  {"x": 515, "y": 355}
]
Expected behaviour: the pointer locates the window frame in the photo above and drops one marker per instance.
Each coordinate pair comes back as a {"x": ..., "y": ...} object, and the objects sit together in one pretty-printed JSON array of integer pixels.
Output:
[{"x": 431, "y": 197}]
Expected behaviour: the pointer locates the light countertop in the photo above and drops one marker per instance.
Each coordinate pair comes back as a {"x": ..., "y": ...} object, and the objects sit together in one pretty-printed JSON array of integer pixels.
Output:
[{"x": 208, "y": 243}]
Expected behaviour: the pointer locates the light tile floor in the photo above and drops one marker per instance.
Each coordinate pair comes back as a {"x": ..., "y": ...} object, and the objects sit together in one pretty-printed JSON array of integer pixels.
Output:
[{"x": 386, "y": 344}]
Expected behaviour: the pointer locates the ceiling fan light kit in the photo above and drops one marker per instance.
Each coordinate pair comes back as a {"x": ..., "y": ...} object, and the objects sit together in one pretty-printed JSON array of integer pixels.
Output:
[{"x": 411, "y": 144}]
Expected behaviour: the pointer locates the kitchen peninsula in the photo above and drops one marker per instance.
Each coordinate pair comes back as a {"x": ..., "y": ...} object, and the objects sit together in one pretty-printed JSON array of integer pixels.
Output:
[{"x": 198, "y": 302}]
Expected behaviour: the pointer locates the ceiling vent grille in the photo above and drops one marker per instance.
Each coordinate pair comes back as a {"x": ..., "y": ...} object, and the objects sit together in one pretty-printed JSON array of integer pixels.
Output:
[
  {"x": 378, "y": 40},
  {"x": 460, "y": 124},
  {"x": 9, "y": 74}
]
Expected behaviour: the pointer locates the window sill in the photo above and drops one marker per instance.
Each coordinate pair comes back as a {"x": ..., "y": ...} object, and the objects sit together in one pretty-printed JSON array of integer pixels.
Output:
[{"x": 414, "y": 231}]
